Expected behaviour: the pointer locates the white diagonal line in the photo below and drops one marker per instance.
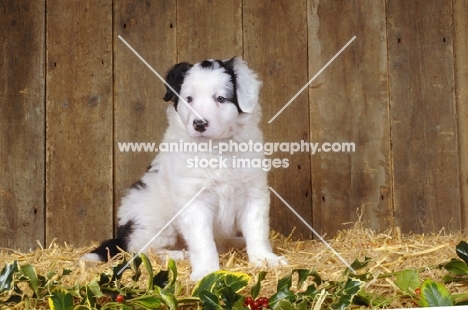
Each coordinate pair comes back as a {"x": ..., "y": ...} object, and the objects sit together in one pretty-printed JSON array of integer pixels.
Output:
[
  {"x": 313, "y": 230},
  {"x": 161, "y": 78},
  {"x": 312, "y": 79},
  {"x": 160, "y": 231}
]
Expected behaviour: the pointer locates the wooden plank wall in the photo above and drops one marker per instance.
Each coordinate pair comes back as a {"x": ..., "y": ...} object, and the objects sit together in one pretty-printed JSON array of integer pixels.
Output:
[
  {"x": 71, "y": 91},
  {"x": 79, "y": 121},
  {"x": 22, "y": 121}
]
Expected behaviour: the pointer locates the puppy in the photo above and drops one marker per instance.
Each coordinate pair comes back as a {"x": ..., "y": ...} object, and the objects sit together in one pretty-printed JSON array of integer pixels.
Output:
[{"x": 236, "y": 199}]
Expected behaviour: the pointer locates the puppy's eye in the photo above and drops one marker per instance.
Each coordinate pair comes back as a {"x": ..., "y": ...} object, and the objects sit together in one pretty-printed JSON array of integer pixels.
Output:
[
  {"x": 221, "y": 99},
  {"x": 189, "y": 99}
]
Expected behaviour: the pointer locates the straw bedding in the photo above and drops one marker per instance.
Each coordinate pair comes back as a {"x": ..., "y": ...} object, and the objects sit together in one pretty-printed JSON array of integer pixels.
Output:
[{"x": 390, "y": 251}]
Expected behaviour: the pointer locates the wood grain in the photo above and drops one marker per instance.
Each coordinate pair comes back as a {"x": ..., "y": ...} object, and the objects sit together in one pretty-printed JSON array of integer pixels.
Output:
[
  {"x": 349, "y": 103},
  {"x": 208, "y": 29},
  {"x": 423, "y": 115},
  {"x": 275, "y": 41},
  {"x": 460, "y": 46},
  {"x": 140, "y": 112},
  {"x": 22, "y": 106},
  {"x": 79, "y": 121}
]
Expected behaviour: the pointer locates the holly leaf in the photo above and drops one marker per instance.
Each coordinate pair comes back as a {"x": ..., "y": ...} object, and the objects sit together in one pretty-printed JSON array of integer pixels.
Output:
[
  {"x": 356, "y": 265},
  {"x": 149, "y": 270},
  {"x": 284, "y": 305},
  {"x": 210, "y": 301},
  {"x": 434, "y": 295},
  {"x": 236, "y": 280},
  {"x": 462, "y": 251},
  {"x": 283, "y": 291},
  {"x": 60, "y": 300},
  {"x": 171, "y": 265},
  {"x": 169, "y": 299},
  {"x": 29, "y": 273},
  {"x": 147, "y": 301},
  {"x": 302, "y": 275},
  {"x": 256, "y": 287},
  {"x": 457, "y": 267},
  {"x": 6, "y": 276},
  {"x": 317, "y": 278},
  {"x": 216, "y": 280},
  {"x": 408, "y": 280},
  {"x": 207, "y": 283}
]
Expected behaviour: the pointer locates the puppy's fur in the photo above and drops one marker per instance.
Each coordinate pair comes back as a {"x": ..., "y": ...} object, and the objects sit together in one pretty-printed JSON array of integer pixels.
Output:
[{"x": 236, "y": 200}]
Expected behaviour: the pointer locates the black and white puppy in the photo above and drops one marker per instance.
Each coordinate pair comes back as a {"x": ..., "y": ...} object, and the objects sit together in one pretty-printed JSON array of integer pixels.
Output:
[{"x": 236, "y": 200}]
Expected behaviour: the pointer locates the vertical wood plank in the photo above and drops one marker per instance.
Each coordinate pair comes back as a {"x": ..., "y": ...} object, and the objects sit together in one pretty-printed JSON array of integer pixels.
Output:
[
  {"x": 460, "y": 45},
  {"x": 423, "y": 115},
  {"x": 22, "y": 25},
  {"x": 208, "y": 29},
  {"x": 349, "y": 103},
  {"x": 140, "y": 113},
  {"x": 275, "y": 44},
  {"x": 79, "y": 121}
]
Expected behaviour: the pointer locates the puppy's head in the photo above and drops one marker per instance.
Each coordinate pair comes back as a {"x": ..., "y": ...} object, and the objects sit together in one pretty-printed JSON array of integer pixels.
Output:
[{"x": 216, "y": 94}]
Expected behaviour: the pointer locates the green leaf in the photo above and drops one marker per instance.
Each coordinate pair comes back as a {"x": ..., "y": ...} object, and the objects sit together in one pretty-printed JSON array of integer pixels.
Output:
[
  {"x": 457, "y": 267},
  {"x": 171, "y": 265},
  {"x": 356, "y": 265},
  {"x": 284, "y": 305},
  {"x": 237, "y": 281},
  {"x": 147, "y": 301},
  {"x": 210, "y": 301},
  {"x": 207, "y": 283},
  {"x": 434, "y": 294},
  {"x": 135, "y": 265},
  {"x": 346, "y": 294},
  {"x": 284, "y": 283},
  {"x": 408, "y": 280},
  {"x": 30, "y": 274},
  {"x": 371, "y": 299},
  {"x": 60, "y": 300},
  {"x": 168, "y": 299},
  {"x": 149, "y": 270},
  {"x": 66, "y": 272},
  {"x": 93, "y": 291},
  {"x": 6, "y": 276},
  {"x": 216, "y": 280},
  {"x": 256, "y": 287},
  {"x": 317, "y": 278},
  {"x": 462, "y": 251},
  {"x": 118, "y": 270},
  {"x": 283, "y": 291},
  {"x": 302, "y": 275}
]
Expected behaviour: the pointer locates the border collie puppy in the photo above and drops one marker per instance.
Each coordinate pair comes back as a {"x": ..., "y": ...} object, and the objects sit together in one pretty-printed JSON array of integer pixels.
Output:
[{"x": 235, "y": 200}]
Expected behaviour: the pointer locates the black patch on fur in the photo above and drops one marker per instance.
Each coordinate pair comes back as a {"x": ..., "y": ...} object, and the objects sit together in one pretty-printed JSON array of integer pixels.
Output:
[
  {"x": 175, "y": 78},
  {"x": 205, "y": 64},
  {"x": 139, "y": 185},
  {"x": 229, "y": 69},
  {"x": 109, "y": 248}
]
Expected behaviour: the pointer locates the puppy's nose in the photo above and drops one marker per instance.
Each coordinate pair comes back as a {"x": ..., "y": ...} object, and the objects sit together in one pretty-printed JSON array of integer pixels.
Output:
[{"x": 200, "y": 125}]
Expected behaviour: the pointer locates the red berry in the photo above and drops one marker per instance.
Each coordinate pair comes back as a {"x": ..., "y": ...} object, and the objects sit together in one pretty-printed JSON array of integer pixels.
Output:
[
  {"x": 417, "y": 291},
  {"x": 256, "y": 304},
  {"x": 248, "y": 301},
  {"x": 119, "y": 298}
]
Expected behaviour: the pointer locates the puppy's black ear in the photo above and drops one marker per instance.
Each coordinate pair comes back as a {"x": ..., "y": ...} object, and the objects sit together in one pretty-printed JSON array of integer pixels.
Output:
[
  {"x": 247, "y": 84},
  {"x": 175, "y": 78}
]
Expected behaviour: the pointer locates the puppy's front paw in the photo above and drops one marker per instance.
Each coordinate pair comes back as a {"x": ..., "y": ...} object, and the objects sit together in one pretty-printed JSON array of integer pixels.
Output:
[
  {"x": 198, "y": 274},
  {"x": 269, "y": 259}
]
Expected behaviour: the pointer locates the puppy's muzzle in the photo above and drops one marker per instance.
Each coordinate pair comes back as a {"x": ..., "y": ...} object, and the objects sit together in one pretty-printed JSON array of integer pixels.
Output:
[{"x": 200, "y": 125}]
